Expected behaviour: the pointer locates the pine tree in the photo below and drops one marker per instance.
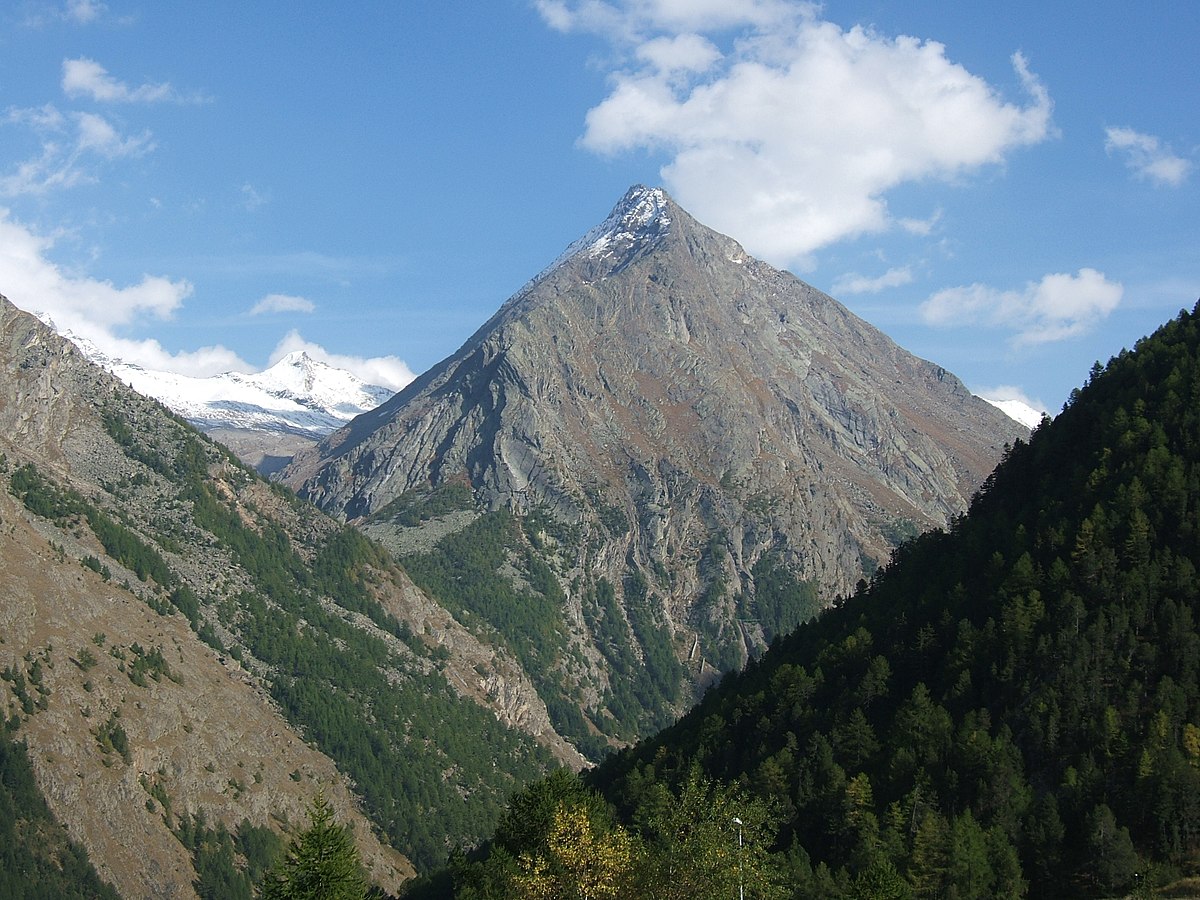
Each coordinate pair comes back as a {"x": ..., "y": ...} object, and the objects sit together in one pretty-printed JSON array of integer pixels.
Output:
[{"x": 321, "y": 863}]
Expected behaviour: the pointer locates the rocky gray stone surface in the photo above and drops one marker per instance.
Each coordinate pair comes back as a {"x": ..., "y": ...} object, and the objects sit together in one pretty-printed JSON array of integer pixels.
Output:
[{"x": 658, "y": 370}]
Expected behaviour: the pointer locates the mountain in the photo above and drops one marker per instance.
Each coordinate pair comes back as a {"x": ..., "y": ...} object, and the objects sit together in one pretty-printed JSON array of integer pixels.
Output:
[
  {"x": 189, "y": 655},
  {"x": 264, "y": 417},
  {"x": 1019, "y": 411},
  {"x": 693, "y": 443},
  {"x": 1010, "y": 708}
]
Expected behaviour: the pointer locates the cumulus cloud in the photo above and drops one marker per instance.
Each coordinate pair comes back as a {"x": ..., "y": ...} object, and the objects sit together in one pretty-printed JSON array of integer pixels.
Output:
[
  {"x": 853, "y": 283},
  {"x": 1059, "y": 306},
  {"x": 276, "y": 303},
  {"x": 1146, "y": 157},
  {"x": 790, "y": 138},
  {"x": 95, "y": 309},
  {"x": 385, "y": 371}
]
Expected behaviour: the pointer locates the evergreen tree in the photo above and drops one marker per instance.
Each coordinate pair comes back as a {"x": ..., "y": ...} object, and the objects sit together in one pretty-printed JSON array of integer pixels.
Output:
[{"x": 321, "y": 863}]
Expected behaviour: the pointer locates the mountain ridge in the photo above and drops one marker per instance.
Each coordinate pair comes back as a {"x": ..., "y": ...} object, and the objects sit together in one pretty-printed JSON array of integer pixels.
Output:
[
  {"x": 683, "y": 414},
  {"x": 264, "y": 417}
]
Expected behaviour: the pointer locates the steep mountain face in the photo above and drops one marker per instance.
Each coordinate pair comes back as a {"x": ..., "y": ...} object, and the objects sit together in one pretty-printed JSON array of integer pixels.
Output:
[
  {"x": 264, "y": 417},
  {"x": 191, "y": 654},
  {"x": 688, "y": 414}
]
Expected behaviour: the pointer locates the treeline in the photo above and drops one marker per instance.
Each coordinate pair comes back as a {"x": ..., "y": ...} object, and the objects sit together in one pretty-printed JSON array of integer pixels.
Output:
[
  {"x": 560, "y": 838},
  {"x": 1009, "y": 708}
]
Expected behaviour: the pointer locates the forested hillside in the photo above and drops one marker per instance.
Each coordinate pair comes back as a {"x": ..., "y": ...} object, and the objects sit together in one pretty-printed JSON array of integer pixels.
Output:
[{"x": 1011, "y": 707}]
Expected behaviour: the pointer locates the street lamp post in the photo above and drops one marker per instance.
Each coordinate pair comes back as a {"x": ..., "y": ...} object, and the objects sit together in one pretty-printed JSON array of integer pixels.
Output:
[{"x": 741, "y": 882}]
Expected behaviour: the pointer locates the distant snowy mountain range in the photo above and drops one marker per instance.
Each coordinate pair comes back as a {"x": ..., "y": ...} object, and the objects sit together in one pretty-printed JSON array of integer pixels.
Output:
[
  {"x": 298, "y": 395},
  {"x": 264, "y": 417}
]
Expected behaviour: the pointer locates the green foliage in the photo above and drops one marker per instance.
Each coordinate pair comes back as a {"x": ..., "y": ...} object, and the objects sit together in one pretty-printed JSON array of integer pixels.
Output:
[
  {"x": 705, "y": 842},
  {"x": 489, "y": 576},
  {"x": 414, "y": 507},
  {"x": 560, "y": 838},
  {"x": 64, "y": 506},
  {"x": 85, "y": 659},
  {"x": 112, "y": 738},
  {"x": 1010, "y": 708},
  {"x": 641, "y": 691},
  {"x": 781, "y": 600},
  {"x": 464, "y": 572},
  {"x": 37, "y": 859},
  {"x": 228, "y": 866},
  {"x": 321, "y": 863},
  {"x": 148, "y": 662}
]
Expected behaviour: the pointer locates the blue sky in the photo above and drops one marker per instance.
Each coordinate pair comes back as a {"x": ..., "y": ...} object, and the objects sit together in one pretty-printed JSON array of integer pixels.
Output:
[{"x": 1009, "y": 190}]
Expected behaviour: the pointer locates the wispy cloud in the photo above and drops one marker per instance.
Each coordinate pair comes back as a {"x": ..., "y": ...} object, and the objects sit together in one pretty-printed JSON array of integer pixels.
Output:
[
  {"x": 1146, "y": 157},
  {"x": 386, "y": 371},
  {"x": 1059, "y": 306},
  {"x": 784, "y": 130},
  {"x": 87, "y": 78},
  {"x": 252, "y": 198},
  {"x": 277, "y": 303},
  {"x": 853, "y": 283},
  {"x": 98, "y": 135},
  {"x": 70, "y": 146},
  {"x": 83, "y": 12}
]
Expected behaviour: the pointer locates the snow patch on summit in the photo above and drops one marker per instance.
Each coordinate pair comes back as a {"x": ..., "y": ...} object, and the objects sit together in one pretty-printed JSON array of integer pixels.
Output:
[
  {"x": 640, "y": 217},
  {"x": 630, "y": 222}
]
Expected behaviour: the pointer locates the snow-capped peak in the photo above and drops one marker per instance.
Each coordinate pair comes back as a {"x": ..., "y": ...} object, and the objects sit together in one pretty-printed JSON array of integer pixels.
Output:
[
  {"x": 297, "y": 395},
  {"x": 1019, "y": 411},
  {"x": 640, "y": 217}
]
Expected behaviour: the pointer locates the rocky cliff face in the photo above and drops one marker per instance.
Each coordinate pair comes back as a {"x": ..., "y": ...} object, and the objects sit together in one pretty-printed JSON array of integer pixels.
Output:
[{"x": 716, "y": 408}]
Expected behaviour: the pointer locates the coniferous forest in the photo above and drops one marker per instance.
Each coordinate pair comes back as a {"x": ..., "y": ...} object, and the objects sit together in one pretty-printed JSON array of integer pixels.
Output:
[{"x": 1009, "y": 708}]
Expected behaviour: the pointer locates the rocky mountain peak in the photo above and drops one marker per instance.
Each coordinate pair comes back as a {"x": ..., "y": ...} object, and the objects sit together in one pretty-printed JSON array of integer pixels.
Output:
[
  {"x": 640, "y": 218},
  {"x": 657, "y": 371}
]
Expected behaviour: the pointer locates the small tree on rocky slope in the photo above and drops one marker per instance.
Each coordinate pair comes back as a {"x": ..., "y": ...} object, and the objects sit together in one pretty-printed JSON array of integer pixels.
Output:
[{"x": 321, "y": 863}]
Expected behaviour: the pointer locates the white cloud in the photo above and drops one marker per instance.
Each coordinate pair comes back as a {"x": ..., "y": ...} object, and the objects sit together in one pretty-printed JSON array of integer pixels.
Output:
[
  {"x": 791, "y": 139},
  {"x": 83, "y": 12},
  {"x": 386, "y": 371},
  {"x": 69, "y": 144},
  {"x": 274, "y": 303},
  {"x": 1059, "y": 306},
  {"x": 98, "y": 135},
  {"x": 85, "y": 77},
  {"x": 681, "y": 53},
  {"x": 629, "y": 19},
  {"x": 252, "y": 199},
  {"x": 1146, "y": 157},
  {"x": 853, "y": 283},
  {"x": 95, "y": 309}
]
